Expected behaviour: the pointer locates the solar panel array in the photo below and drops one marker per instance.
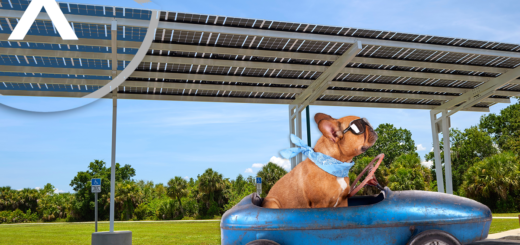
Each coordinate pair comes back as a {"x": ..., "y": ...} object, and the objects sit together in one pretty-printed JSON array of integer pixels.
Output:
[{"x": 213, "y": 66}]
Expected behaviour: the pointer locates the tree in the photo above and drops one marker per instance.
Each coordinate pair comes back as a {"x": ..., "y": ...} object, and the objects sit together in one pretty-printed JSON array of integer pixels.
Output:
[
  {"x": 407, "y": 173},
  {"x": 270, "y": 174},
  {"x": 210, "y": 182},
  {"x": 504, "y": 127},
  {"x": 211, "y": 186},
  {"x": 127, "y": 197},
  {"x": 240, "y": 188},
  {"x": 496, "y": 178},
  {"x": 177, "y": 189},
  {"x": 467, "y": 148},
  {"x": 391, "y": 141},
  {"x": 83, "y": 206}
]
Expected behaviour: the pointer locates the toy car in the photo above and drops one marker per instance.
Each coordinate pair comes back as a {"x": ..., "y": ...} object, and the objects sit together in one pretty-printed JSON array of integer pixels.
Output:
[{"x": 391, "y": 217}]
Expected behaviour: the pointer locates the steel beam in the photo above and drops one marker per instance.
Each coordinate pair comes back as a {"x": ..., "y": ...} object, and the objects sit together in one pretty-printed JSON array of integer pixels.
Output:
[
  {"x": 114, "y": 124},
  {"x": 292, "y": 130},
  {"x": 447, "y": 151},
  {"x": 318, "y": 86},
  {"x": 202, "y": 86},
  {"x": 477, "y": 94},
  {"x": 156, "y": 96},
  {"x": 437, "y": 154}
]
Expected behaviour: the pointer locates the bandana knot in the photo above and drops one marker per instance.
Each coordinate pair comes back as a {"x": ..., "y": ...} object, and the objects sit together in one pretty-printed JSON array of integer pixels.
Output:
[{"x": 326, "y": 163}]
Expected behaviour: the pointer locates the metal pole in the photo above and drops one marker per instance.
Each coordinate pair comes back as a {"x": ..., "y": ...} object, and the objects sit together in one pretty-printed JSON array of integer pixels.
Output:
[
  {"x": 308, "y": 126},
  {"x": 299, "y": 157},
  {"x": 96, "y": 211},
  {"x": 292, "y": 131},
  {"x": 113, "y": 170},
  {"x": 114, "y": 124},
  {"x": 447, "y": 151},
  {"x": 437, "y": 153}
]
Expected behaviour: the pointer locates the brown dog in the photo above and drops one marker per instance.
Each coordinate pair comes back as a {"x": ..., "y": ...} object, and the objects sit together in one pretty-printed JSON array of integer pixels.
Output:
[{"x": 307, "y": 185}]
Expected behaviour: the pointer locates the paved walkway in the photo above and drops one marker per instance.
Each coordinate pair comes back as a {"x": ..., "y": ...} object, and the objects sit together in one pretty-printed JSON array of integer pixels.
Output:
[{"x": 509, "y": 233}]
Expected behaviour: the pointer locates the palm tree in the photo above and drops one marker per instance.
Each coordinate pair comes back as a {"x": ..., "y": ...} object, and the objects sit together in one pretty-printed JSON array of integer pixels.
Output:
[
  {"x": 494, "y": 177},
  {"x": 177, "y": 189},
  {"x": 128, "y": 197},
  {"x": 210, "y": 182},
  {"x": 270, "y": 174}
]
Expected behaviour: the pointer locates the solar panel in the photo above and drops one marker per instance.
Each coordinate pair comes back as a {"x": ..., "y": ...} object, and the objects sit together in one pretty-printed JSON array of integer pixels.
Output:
[{"x": 265, "y": 67}]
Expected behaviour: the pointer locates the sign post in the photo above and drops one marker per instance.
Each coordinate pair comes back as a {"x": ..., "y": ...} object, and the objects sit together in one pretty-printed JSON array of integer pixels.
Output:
[
  {"x": 96, "y": 188},
  {"x": 259, "y": 186}
]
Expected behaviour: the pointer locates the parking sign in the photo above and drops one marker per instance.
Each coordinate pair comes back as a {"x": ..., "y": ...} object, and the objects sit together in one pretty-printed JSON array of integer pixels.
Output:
[
  {"x": 259, "y": 185},
  {"x": 96, "y": 185}
]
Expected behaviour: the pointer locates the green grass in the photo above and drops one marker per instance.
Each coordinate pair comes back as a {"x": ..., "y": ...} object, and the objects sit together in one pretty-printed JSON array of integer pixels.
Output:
[
  {"x": 142, "y": 233},
  {"x": 188, "y": 232},
  {"x": 499, "y": 225},
  {"x": 507, "y": 215}
]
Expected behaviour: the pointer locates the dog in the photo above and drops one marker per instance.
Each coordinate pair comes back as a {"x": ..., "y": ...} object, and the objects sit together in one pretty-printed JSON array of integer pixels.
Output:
[{"x": 307, "y": 185}]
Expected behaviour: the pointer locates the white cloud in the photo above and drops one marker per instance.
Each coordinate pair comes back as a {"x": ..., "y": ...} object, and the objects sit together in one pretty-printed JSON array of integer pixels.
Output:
[
  {"x": 37, "y": 188},
  {"x": 249, "y": 170},
  {"x": 284, "y": 163},
  {"x": 186, "y": 177},
  {"x": 420, "y": 147},
  {"x": 427, "y": 163},
  {"x": 257, "y": 165},
  {"x": 431, "y": 150},
  {"x": 58, "y": 191}
]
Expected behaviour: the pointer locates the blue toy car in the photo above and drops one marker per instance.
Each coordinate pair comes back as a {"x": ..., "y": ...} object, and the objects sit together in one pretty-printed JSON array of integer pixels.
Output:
[{"x": 392, "y": 217}]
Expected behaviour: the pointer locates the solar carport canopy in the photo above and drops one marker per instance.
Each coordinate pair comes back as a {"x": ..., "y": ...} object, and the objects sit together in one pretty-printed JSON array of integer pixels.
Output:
[{"x": 213, "y": 58}]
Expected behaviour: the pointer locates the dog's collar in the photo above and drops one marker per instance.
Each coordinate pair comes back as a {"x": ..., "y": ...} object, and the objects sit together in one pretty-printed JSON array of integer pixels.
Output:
[{"x": 326, "y": 163}]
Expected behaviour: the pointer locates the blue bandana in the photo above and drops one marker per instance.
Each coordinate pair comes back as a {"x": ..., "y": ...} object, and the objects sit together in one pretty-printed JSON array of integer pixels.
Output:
[{"x": 327, "y": 163}]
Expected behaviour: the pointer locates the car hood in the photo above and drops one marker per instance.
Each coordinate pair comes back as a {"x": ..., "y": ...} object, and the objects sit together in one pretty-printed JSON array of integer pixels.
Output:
[{"x": 399, "y": 208}]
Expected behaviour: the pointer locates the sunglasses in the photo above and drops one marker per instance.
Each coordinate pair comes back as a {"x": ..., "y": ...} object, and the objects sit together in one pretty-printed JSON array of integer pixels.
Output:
[{"x": 357, "y": 126}]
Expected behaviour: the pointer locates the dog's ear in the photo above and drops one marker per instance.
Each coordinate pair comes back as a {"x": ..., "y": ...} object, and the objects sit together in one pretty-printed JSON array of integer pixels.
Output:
[{"x": 329, "y": 127}]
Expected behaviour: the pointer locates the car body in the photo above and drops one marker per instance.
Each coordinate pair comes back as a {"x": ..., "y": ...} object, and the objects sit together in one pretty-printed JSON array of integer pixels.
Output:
[{"x": 392, "y": 217}]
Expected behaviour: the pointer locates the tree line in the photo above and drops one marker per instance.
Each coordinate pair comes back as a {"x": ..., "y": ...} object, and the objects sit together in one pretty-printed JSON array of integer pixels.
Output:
[{"x": 485, "y": 167}]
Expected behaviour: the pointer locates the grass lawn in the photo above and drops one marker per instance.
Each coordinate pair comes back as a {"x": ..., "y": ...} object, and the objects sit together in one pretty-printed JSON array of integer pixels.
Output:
[
  {"x": 507, "y": 215},
  {"x": 142, "y": 233},
  {"x": 499, "y": 225},
  {"x": 202, "y": 232}
]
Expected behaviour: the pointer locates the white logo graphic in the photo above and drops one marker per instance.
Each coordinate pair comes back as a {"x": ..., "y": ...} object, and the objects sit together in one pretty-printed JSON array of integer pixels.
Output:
[{"x": 54, "y": 12}]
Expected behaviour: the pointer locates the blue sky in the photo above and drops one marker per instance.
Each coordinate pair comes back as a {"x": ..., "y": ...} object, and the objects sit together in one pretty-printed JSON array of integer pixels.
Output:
[{"x": 163, "y": 139}]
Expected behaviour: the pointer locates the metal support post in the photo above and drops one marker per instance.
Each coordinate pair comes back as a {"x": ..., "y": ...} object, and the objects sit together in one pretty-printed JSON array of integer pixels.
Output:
[
  {"x": 437, "y": 154},
  {"x": 308, "y": 126},
  {"x": 295, "y": 127},
  {"x": 292, "y": 130},
  {"x": 113, "y": 165},
  {"x": 96, "y": 203},
  {"x": 299, "y": 157},
  {"x": 447, "y": 151},
  {"x": 114, "y": 125}
]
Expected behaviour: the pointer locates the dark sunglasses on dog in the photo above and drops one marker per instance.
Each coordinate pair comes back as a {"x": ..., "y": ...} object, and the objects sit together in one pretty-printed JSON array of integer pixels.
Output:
[{"x": 357, "y": 126}]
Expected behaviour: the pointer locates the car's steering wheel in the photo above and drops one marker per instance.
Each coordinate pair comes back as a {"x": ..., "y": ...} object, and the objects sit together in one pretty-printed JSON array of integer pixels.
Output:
[{"x": 370, "y": 179}]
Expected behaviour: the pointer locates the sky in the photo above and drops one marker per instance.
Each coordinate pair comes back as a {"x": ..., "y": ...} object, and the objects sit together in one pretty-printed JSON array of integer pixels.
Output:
[{"x": 164, "y": 139}]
